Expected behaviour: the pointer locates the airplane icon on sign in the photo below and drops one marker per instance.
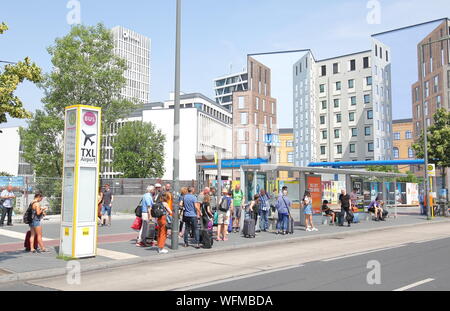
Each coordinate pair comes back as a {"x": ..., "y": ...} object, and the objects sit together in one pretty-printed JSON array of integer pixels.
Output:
[{"x": 87, "y": 138}]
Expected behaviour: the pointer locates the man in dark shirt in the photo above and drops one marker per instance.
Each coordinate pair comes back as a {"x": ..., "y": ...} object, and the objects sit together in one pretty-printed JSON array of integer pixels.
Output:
[
  {"x": 108, "y": 199},
  {"x": 344, "y": 199}
]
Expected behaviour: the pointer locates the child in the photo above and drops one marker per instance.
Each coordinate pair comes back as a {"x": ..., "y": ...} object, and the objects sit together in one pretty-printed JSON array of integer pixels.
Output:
[{"x": 328, "y": 211}]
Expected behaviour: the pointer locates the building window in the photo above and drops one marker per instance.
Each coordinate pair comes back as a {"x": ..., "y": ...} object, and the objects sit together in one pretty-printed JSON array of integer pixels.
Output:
[
  {"x": 322, "y": 120},
  {"x": 257, "y": 103},
  {"x": 370, "y": 147},
  {"x": 338, "y": 86},
  {"x": 396, "y": 153},
  {"x": 322, "y": 88},
  {"x": 408, "y": 135},
  {"x": 351, "y": 116},
  {"x": 290, "y": 143},
  {"x": 354, "y": 132},
  {"x": 367, "y": 131},
  {"x": 367, "y": 99},
  {"x": 339, "y": 149},
  {"x": 244, "y": 119},
  {"x": 243, "y": 150},
  {"x": 369, "y": 114},
  {"x": 335, "y": 68},
  {"x": 337, "y": 133},
  {"x": 410, "y": 153},
  {"x": 322, "y": 150},
  {"x": 368, "y": 81},
  {"x": 290, "y": 157},
  {"x": 324, "y": 134},
  {"x": 351, "y": 84},
  {"x": 338, "y": 118},
  {"x": 353, "y": 65},
  {"x": 353, "y": 101},
  {"x": 241, "y": 102},
  {"x": 396, "y": 136},
  {"x": 241, "y": 134},
  {"x": 366, "y": 62},
  {"x": 324, "y": 104},
  {"x": 352, "y": 148},
  {"x": 336, "y": 103},
  {"x": 323, "y": 70}
]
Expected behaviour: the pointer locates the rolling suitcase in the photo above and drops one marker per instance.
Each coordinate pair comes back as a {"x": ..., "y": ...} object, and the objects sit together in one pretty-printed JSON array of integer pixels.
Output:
[
  {"x": 249, "y": 227},
  {"x": 340, "y": 217},
  {"x": 27, "y": 244},
  {"x": 206, "y": 238},
  {"x": 291, "y": 224},
  {"x": 151, "y": 232}
]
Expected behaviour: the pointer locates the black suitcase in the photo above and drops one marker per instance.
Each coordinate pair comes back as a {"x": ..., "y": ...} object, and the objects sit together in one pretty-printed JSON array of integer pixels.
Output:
[
  {"x": 350, "y": 217},
  {"x": 291, "y": 225},
  {"x": 151, "y": 232},
  {"x": 206, "y": 238},
  {"x": 249, "y": 228}
]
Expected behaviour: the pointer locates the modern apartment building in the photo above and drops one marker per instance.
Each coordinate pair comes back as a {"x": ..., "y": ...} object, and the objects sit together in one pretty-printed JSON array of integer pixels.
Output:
[
  {"x": 402, "y": 141},
  {"x": 205, "y": 126},
  {"x": 226, "y": 85},
  {"x": 254, "y": 113},
  {"x": 135, "y": 49},
  {"x": 11, "y": 157},
  {"x": 342, "y": 107},
  {"x": 434, "y": 73}
]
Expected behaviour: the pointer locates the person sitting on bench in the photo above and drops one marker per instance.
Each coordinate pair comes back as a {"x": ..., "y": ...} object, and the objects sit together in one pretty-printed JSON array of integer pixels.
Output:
[
  {"x": 376, "y": 209},
  {"x": 329, "y": 212}
]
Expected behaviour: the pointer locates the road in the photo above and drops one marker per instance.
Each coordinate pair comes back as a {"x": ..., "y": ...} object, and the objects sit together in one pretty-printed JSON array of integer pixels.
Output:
[{"x": 406, "y": 255}]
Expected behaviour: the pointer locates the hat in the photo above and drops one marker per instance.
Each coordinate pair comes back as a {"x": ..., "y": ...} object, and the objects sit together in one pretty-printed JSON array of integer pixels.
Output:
[{"x": 158, "y": 186}]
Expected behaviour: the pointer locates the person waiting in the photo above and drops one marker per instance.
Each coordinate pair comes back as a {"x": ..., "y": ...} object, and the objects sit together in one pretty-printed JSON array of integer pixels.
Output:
[{"x": 328, "y": 212}]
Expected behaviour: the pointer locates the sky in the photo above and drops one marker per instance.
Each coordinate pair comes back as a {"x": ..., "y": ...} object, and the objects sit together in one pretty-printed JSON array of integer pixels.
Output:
[{"x": 217, "y": 36}]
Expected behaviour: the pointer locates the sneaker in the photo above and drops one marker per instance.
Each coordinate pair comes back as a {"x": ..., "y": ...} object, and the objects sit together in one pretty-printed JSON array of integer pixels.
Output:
[
  {"x": 308, "y": 229},
  {"x": 140, "y": 244},
  {"x": 162, "y": 251},
  {"x": 315, "y": 229}
]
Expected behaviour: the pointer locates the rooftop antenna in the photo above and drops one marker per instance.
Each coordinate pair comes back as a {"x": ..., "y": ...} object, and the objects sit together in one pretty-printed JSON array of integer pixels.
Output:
[{"x": 231, "y": 68}]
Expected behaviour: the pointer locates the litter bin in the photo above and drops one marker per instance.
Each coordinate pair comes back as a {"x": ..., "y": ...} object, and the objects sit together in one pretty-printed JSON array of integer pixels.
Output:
[{"x": 302, "y": 216}]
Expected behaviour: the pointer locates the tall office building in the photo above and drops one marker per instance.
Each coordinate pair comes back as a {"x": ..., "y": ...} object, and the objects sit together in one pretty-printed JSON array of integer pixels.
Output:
[
  {"x": 342, "y": 107},
  {"x": 226, "y": 85},
  {"x": 254, "y": 113},
  {"x": 435, "y": 90},
  {"x": 135, "y": 49}
]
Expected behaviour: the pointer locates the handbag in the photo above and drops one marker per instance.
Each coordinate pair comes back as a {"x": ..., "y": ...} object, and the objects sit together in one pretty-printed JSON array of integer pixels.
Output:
[
  {"x": 138, "y": 210},
  {"x": 216, "y": 218},
  {"x": 137, "y": 224}
]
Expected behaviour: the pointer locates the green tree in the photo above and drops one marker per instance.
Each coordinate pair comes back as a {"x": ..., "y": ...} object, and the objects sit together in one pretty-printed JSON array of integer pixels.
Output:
[
  {"x": 10, "y": 78},
  {"x": 438, "y": 142},
  {"x": 85, "y": 72},
  {"x": 139, "y": 151},
  {"x": 4, "y": 174}
]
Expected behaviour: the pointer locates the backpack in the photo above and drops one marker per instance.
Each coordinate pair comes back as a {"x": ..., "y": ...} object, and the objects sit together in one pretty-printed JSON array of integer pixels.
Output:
[
  {"x": 158, "y": 210},
  {"x": 223, "y": 207},
  {"x": 28, "y": 216}
]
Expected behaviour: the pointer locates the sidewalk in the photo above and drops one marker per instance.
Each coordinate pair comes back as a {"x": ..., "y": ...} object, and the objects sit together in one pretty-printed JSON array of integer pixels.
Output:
[{"x": 117, "y": 246}]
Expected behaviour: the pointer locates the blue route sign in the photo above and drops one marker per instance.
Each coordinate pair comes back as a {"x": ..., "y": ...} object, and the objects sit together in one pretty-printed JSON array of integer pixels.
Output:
[
  {"x": 13, "y": 181},
  {"x": 237, "y": 163}
]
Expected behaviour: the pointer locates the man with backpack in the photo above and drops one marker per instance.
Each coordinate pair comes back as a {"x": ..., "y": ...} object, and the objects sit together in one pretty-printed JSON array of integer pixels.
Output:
[
  {"x": 238, "y": 204},
  {"x": 7, "y": 196},
  {"x": 192, "y": 214},
  {"x": 223, "y": 221}
]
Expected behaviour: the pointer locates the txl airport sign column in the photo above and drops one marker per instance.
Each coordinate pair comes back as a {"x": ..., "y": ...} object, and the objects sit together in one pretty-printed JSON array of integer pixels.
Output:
[{"x": 82, "y": 134}]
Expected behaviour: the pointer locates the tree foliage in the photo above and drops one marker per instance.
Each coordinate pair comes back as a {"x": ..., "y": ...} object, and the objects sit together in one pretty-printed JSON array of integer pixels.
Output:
[
  {"x": 10, "y": 78},
  {"x": 86, "y": 72},
  {"x": 411, "y": 178},
  {"x": 5, "y": 174},
  {"x": 139, "y": 151},
  {"x": 438, "y": 142}
]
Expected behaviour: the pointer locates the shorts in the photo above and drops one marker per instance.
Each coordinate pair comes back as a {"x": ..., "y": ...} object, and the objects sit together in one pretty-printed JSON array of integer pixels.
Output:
[
  {"x": 35, "y": 223},
  {"x": 223, "y": 219},
  {"x": 308, "y": 210},
  {"x": 106, "y": 210},
  {"x": 329, "y": 212},
  {"x": 237, "y": 212}
]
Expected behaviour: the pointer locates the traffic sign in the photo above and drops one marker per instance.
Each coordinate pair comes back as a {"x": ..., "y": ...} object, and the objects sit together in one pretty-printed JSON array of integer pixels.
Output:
[{"x": 432, "y": 170}]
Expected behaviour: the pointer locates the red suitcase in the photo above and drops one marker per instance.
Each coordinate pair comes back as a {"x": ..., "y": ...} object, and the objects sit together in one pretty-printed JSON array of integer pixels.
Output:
[{"x": 26, "y": 244}]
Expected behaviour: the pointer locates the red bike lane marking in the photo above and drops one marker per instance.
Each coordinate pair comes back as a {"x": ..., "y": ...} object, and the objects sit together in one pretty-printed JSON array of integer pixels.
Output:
[{"x": 102, "y": 239}]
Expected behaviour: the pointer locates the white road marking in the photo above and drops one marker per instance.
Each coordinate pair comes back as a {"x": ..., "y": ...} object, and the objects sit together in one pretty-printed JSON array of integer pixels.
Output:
[
  {"x": 431, "y": 240},
  {"x": 114, "y": 255},
  {"x": 413, "y": 285},
  {"x": 236, "y": 278},
  {"x": 17, "y": 235},
  {"x": 361, "y": 253}
]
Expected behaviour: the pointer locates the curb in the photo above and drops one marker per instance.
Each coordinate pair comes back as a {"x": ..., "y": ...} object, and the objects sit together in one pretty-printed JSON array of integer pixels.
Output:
[{"x": 49, "y": 273}]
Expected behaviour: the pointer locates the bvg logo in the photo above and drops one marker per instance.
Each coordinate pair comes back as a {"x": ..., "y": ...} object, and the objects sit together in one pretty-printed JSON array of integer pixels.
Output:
[{"x": 89, "y": 118}]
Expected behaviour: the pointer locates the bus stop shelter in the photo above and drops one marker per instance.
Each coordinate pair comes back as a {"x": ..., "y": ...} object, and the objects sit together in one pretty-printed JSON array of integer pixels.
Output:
[{"x": 256, "y": 177}]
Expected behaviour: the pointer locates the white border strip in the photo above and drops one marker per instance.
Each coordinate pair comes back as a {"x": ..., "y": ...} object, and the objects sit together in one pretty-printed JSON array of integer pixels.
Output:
[
  {"x": 362, "y": 253},
  {"x": 402, "y": 289}
]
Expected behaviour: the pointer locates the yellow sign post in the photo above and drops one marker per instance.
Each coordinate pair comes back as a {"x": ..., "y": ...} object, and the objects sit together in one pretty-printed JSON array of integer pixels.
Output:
[{"x": 82, "y": 132}]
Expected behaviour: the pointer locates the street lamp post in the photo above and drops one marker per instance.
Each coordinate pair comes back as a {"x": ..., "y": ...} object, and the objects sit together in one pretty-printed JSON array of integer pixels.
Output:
[
  {"x": 176, "y": 135},
  {"x": 425, "y": 126}
]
